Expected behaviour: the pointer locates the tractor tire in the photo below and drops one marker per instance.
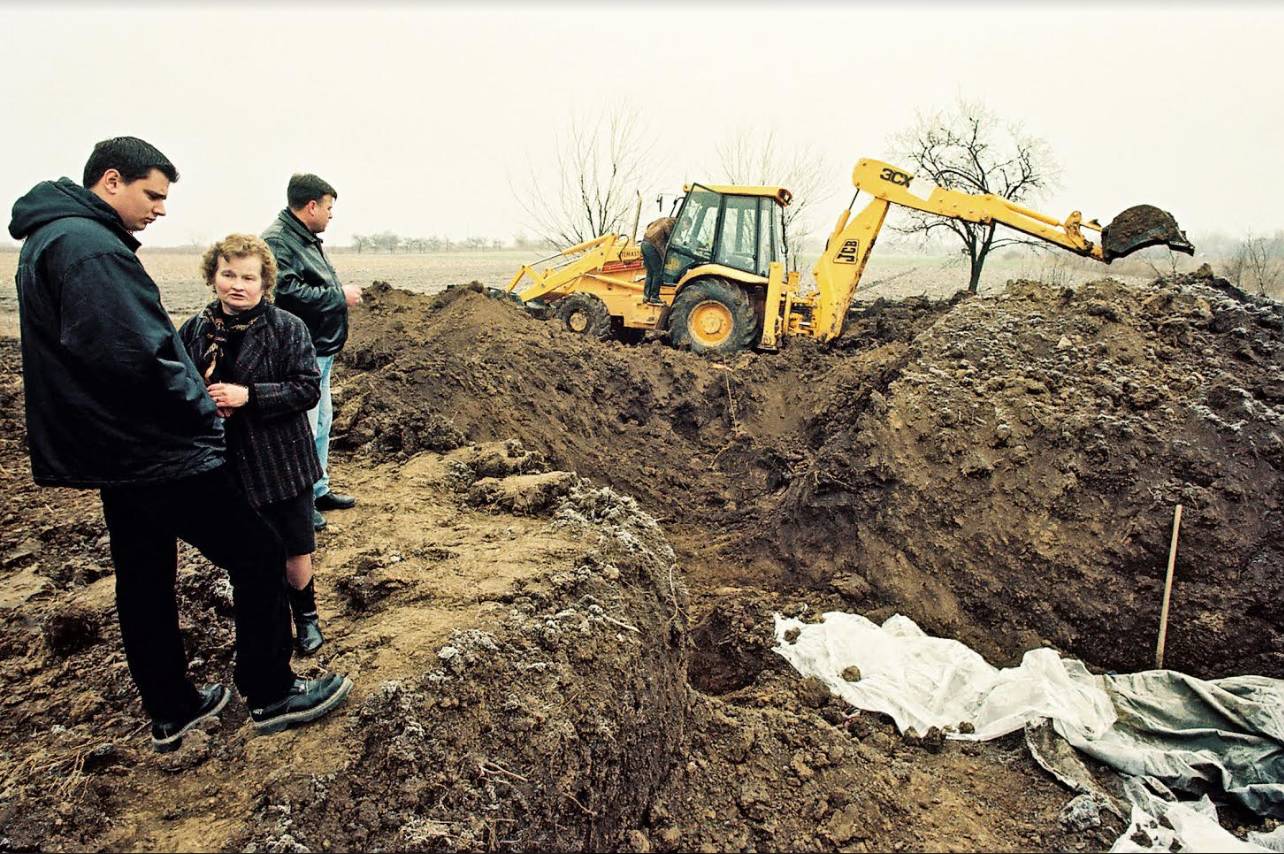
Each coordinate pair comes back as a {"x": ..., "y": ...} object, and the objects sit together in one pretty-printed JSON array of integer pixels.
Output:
[
  {"x": 585, "y": 314},
  {"x": 713, "y": 316}
]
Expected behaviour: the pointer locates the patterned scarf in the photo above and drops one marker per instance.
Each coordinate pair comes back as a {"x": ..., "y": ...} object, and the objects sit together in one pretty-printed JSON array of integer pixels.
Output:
[{"x": 220, "y": 327}]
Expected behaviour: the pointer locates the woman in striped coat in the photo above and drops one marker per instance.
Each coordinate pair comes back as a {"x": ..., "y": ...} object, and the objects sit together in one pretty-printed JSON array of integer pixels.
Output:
[{"x": 261, "y": 370}]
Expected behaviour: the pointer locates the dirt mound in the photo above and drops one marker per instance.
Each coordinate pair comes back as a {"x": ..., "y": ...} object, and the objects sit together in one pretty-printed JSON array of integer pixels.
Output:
[
  {"x": 1002, "y": 469},
  {"x": 637, "y": 415},
  {"x": 520, "y": 679},
  {"x": 550, "y": 729},
  {"x": 1015, "y": 484},
  {"x": 697, "y": 441}
]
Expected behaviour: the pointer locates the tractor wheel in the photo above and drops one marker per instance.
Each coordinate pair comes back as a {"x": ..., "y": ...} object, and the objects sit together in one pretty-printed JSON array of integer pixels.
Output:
[
  {"x": 713, "y": 316},
  {"x": 585, "y": 314}
]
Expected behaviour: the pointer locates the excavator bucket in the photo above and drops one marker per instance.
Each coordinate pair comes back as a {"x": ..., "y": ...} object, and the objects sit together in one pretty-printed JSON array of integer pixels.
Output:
[{"x": 1141, "y": 226}]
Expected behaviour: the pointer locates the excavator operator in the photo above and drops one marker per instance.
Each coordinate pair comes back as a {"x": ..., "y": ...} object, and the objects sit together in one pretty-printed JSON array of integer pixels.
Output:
[{"x": 654, "y": 241}]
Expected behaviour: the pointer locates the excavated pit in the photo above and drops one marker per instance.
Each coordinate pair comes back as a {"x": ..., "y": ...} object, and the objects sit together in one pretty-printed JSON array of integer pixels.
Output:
[
  {"x": 1003, "y": 470},
  {"x": 542, "y": 665}
]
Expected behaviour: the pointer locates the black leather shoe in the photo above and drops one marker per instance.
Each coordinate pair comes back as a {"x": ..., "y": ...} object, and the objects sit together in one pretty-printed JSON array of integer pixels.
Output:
[
  {"x": 168, "y": 735},
  {"x": 335, "y": 501},
  {"x": 318, "y": 521},
  {"x": 307, "y": 633},
  {"x": 307, "y": 700}
]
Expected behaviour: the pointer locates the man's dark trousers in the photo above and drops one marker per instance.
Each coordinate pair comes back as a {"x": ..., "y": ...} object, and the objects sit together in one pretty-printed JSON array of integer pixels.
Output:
[
  {"x": 210, "y": 512},
  {"x": 654, "y": 267}
]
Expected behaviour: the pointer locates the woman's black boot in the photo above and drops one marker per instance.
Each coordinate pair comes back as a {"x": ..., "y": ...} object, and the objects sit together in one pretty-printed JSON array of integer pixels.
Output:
[{"x": 307, "y": 631}]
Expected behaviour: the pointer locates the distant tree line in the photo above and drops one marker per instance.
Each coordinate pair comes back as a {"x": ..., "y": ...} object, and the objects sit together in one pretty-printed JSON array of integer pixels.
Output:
[{"x": 389, "y": 241}]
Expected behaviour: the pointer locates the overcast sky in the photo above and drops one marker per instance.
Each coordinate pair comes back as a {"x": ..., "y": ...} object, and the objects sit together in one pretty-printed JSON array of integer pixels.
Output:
[{"x": 425, "y": 118}]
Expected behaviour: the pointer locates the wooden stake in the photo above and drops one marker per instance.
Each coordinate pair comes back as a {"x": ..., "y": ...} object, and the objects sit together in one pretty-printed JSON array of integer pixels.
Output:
[{"x": 1168, "y": 590}]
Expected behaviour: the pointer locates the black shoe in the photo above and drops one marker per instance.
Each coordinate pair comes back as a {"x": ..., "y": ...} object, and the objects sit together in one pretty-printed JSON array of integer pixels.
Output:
[
  {"x": 318, "y": 521},
  {"x": 653, "y": 301},
  {"x": 168, "y": 735},
  {"x": 307, "y": 633},
  {"x": 307, "y": 700},
  {"x": 335, "y": 501}
]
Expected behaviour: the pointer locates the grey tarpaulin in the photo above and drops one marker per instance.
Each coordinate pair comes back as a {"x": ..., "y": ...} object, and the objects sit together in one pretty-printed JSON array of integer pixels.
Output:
[{"x": 1224, "y": 738}]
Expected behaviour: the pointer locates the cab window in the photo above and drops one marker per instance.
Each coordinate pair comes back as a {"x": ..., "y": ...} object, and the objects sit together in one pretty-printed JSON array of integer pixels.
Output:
[
  {"x": 779, "y": 241},
  {"x": 738, "y": 246},
  {"x": 766, "y": 234},
  {"x": 694, "y": 230}
]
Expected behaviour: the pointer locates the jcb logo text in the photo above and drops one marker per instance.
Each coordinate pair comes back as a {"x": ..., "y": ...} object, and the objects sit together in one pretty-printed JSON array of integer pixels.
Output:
[{"x": 896, "y": 177}]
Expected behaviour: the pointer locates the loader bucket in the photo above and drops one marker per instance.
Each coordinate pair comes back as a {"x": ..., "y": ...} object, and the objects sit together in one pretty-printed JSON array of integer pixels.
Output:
[{"x": 1141, "y": 226}]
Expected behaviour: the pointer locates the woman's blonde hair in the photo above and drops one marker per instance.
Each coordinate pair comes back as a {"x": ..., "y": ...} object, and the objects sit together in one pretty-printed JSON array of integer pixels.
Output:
[{"x": 240, "y": 246}]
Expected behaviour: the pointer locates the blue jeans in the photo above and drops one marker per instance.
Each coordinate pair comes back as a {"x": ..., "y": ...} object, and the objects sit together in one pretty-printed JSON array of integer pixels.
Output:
[
  {"x": 319, "y": 419},
  {"x": 654, "y": 267}
]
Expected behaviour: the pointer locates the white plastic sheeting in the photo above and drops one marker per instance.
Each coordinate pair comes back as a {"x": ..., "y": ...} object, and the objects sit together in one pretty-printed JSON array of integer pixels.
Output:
[
  {"x": 1175, "y": 732},
  {"x": 921, "y": 681},
  {"x": 1191, "y": 824}
]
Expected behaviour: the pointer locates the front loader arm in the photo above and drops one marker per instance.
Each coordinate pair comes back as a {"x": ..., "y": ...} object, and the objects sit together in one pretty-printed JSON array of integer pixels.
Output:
[{"x": 569, "y": 265}]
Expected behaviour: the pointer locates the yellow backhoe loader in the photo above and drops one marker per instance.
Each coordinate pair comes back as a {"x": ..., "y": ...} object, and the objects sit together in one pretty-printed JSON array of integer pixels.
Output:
[{"x": 724, "y": 286}]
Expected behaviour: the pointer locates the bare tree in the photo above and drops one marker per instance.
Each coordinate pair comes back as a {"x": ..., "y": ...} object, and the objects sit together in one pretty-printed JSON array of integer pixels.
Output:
[
  {"x": 385, "y": 241},
  {"x": 600, "y": 163},
  {"x": 1259, "y": 260},
  {"x": 755, "y": 157},
  {"x": 967, "y": 148},
  {"x": 1234, "y": 264}
]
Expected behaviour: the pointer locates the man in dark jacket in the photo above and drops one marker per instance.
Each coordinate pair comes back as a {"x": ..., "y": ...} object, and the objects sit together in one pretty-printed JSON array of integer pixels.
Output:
[
  {"x": 308, "y": 286},
  {"x": 114, "y": 403}
]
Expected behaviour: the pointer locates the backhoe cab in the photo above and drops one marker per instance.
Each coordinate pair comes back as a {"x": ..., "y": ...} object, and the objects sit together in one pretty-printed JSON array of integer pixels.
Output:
[
  {"x": 724, "y": 287},
  {"x": 738, "y": 229},
  {"x": 717, "y": 264}
]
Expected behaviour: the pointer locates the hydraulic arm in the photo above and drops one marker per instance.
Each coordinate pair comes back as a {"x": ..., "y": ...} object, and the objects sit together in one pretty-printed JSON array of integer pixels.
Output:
[{"x": 839, "y": 269}]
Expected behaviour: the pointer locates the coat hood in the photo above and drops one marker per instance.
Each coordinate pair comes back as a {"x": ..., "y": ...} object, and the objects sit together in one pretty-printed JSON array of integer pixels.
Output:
[{"x": 53, "y": 200}]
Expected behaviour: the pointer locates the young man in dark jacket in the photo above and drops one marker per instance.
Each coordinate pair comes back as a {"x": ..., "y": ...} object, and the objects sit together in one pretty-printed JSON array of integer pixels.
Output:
[
  {"x": 308, "y": 286},
  {"x": 114, "y": 403}
]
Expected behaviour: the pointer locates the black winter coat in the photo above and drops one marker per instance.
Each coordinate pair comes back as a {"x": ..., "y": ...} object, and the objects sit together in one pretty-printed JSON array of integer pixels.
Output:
[
  {"x": 112, "y": 397},
  {"x": 269, "y": 440},
  {"x": 306, "y": 283}
]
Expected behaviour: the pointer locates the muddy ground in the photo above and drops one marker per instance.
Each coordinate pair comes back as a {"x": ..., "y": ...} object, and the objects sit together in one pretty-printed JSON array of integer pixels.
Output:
[
  {"x": 1004, "y": 470},
  {"x": 556, "y": 593}
]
